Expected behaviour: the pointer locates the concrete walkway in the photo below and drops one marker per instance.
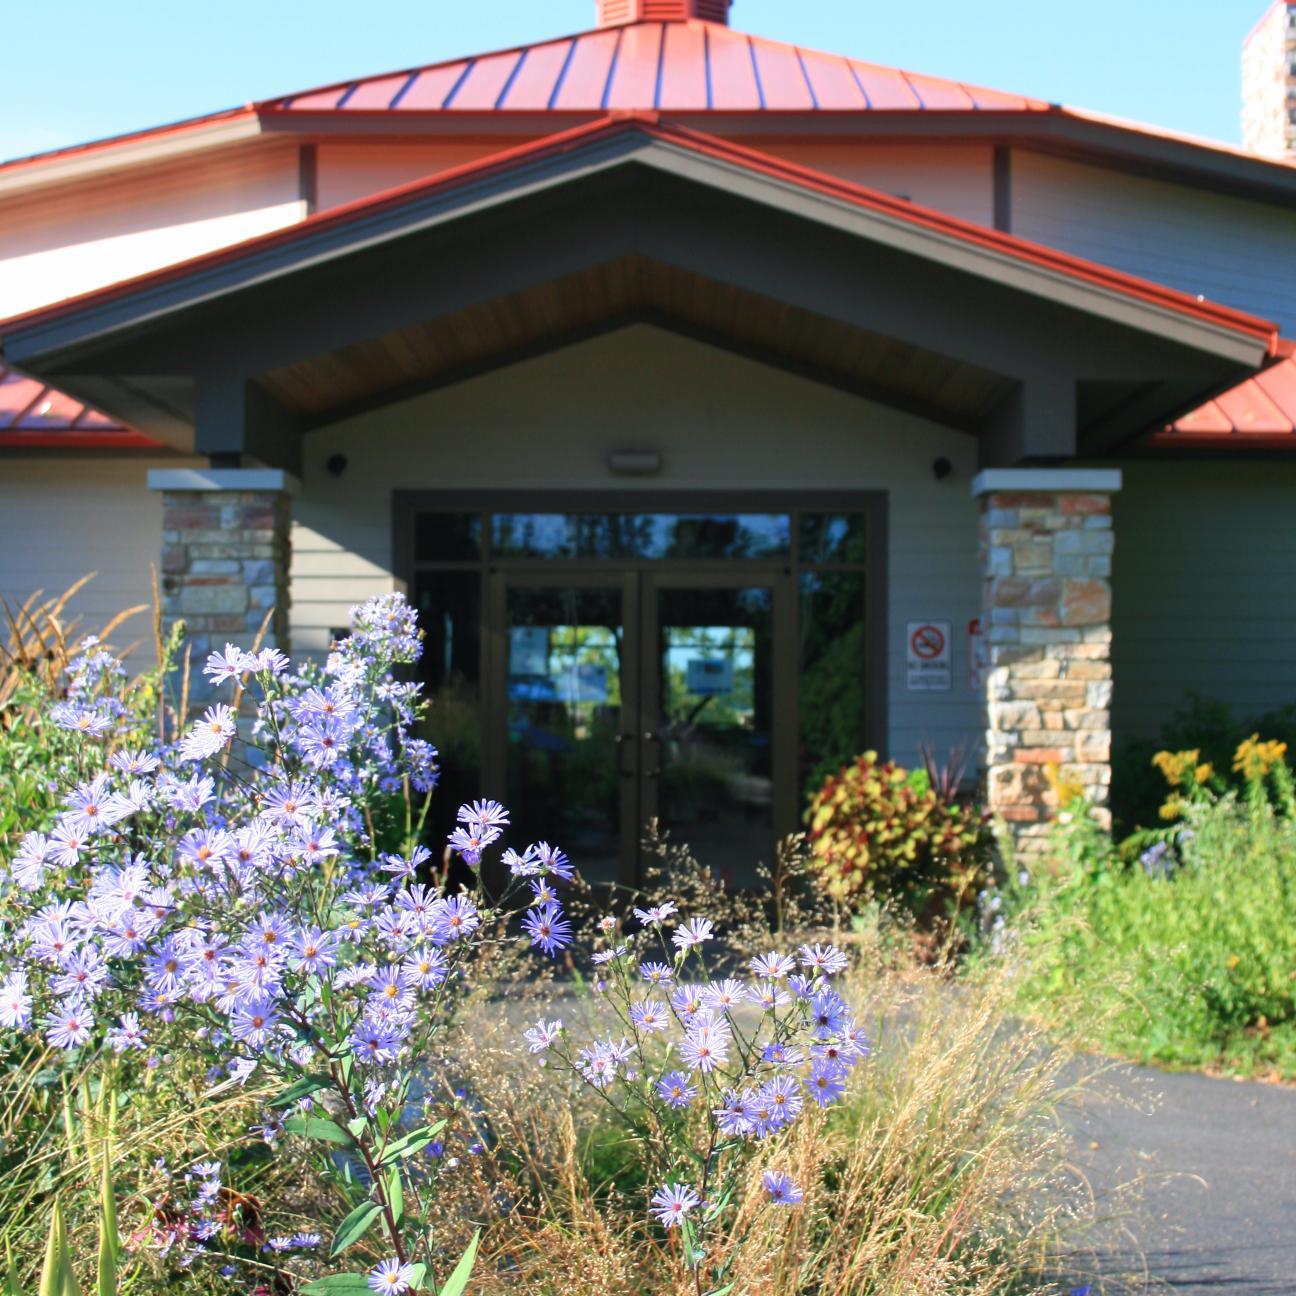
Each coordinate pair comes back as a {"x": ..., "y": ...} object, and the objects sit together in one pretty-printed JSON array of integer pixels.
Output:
[{"x": 1214, "y": 1163}]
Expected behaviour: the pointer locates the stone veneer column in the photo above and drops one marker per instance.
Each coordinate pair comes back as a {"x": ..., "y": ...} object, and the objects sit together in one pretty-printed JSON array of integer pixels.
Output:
[
  {"x": 225, "y": 557},
  {"x": 1046, "y": 554}
]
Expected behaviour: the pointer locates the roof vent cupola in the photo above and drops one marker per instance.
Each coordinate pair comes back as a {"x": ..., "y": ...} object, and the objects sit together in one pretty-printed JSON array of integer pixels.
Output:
[{"x": 617, "y": 13}]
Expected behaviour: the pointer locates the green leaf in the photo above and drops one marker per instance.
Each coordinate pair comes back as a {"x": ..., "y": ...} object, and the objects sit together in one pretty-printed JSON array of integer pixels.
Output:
[
  {"x": 396, "y": 1194},
  {"x": 316, "y": 1127},
  {"x": 308, "y": 1084},
  {"x": 108, "y": 1242},
  {"x": 455, "y": 1284},
  {"x": 347, "y": 1284},
  {"x": 12, "y": 1286},
  {"x": 416, "y": 1278},
  {"x": 51, "y": 1279},
  {"x": 355, "y": 1226},
  {"x": 722, "y": 1291},
  {"x": 358, "y": 1125},
  {"x": 415, "y": 1141}
]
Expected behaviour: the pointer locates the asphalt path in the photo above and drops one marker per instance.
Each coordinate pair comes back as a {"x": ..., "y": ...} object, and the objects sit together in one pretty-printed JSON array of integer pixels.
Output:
[{"x": 1194, "y": 1180}]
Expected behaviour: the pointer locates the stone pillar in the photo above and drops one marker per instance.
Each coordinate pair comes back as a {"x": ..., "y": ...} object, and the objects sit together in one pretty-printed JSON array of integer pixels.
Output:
[
  {"x": 1046, "y": 555},
  {"x": 225, "y": 557}
]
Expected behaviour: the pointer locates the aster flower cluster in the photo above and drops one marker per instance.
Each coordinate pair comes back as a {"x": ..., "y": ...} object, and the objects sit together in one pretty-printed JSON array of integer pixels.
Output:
[
  {"x": 709, "y": 1068},
  {"x": 225, "y": 892}
]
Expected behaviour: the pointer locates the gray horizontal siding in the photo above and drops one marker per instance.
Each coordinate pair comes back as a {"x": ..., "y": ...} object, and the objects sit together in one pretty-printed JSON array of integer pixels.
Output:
[
  {"x": 1230, "y": 250},
  {"x": 1205, "y": 589}
]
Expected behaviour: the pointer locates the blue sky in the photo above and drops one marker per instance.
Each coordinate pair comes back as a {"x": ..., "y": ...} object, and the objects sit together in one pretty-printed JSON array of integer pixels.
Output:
[{"x": 82, "y": 69}]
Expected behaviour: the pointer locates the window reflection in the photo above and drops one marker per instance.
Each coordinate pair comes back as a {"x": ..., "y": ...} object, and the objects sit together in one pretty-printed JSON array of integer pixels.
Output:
[
  {"x": 449, "y": 607},
  {"x": 834, "y": 666},
  {"x": 833, "y": 537},
  {"x": 641, "y": 535}
]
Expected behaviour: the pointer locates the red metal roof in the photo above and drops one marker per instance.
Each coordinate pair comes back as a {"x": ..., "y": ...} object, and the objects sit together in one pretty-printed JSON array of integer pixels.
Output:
[
  {"x": 1259, "y": 413},
  {"x": 682, "y": 66},
  {"x": 34, "y": 415}
]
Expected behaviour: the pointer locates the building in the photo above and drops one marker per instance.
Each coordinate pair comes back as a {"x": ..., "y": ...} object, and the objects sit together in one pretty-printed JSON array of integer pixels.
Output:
[
  {"x": 725, "y": 406},
  {"x": 1269, "y": 82}
]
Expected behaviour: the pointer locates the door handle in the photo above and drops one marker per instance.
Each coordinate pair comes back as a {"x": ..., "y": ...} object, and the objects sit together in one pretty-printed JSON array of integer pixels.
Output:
[{"x": 650, "y": 737}]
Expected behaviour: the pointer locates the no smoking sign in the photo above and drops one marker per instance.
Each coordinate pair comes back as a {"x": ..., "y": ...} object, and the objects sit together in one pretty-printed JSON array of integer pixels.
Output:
[{"x": 928, "y": 656}]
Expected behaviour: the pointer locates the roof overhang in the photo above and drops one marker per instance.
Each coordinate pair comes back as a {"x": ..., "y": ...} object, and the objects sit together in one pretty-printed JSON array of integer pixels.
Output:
[{"x": 1129, "y": 352}]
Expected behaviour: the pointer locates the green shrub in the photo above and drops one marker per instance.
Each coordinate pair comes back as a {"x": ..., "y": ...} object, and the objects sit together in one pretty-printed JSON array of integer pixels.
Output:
[
  {"x": 877, "y": 829},
  {"x": 1180, "y": 943}
]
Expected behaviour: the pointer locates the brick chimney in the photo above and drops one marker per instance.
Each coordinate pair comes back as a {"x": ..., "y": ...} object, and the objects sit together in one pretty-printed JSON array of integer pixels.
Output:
[
  {"x": 1269, "y": 83},
  {"x": 617, "y": 13}
]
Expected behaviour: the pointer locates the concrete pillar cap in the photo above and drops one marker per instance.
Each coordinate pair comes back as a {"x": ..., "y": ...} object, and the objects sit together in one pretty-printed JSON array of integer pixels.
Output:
[
  {"x": 1082, "y": 481},
  {"x": 210, "y": 480}
]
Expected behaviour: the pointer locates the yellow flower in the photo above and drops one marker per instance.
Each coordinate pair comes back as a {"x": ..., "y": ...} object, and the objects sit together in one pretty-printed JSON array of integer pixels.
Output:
[
  {"x": 1204, "y": 771},
  {"x": 1174, "y": 765},
  {"x": 1067, "y": 787},
  {"x": 1254, "y": 759},
  {"x": 1174, "y": 806}
]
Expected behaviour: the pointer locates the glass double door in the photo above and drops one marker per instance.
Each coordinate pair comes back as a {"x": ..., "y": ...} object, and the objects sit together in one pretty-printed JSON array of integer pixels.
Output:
[{"x": 626, "y": 696}]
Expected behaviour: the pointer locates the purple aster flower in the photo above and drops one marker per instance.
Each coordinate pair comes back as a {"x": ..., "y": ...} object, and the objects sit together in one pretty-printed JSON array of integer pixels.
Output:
[
  {"x": 86, "y": 806},
  {"x": 769, "y": 995},
  {"x": 672, "y": 1202},
  {"x": 227, "y": 665},
  {"x": 658, "y": 974},
  {"x": 127, "y": 1034},
  {"x": 690, "y": 934},
  {"x": 69, "y": 1025},
  {"x": 649, "y": 1016},
  {"x": 321, "y": 742},
  {"x": 483, "y": 814},
  {"x": 542, "y": 892},
  {"x": 455, "y": 918},
  {"x": 470, "y": 842},
  {"x": 783, "y": 1097},
  {"x": 83, "y": 976},
  {"x": 253, "y": 1022},
  {"x": 391, "y": 1278},
  {"x": 15, "y": 1002},
  {"x": 553, "y": 860},
  {"x": 772, "y": 966},
  {"x": 827, "y": 960},
  {"x": 548, "y": 928},
  {"x": 734, "y": 1119},
  {"x": 66, "y": 844},
  {"x": 676, "y": 1089},
  {"x": 724, "y": 996},
  {"x": 706, "y": 1043},
  {"x": 828, "y": 1014},
  {"x": 782, "y": 1188},
  {"x": 315, "y": 950},
  {"x": 31, "y": 860},
  {"x": 827, "y": 1081},
  {"x": 542, "y": 1035},
  {"x": 375, "y": 1041},
  {"x": 134, "y": 763},
  {"x": 210, "y": 734},
  {"x": 687, "y": 1001},
  {"x": 426, "y": 968},
  {"x": 657, "y": 914}
]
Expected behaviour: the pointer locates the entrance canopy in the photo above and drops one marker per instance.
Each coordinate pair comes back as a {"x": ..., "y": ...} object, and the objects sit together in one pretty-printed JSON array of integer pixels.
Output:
[{"x": 240, "y": 353}]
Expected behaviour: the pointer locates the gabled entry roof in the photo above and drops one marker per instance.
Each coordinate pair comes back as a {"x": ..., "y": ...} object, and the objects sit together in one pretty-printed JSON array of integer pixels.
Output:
[
  {"x": 1002, "y": 253},
  {"x": 973, "y": 324}
]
